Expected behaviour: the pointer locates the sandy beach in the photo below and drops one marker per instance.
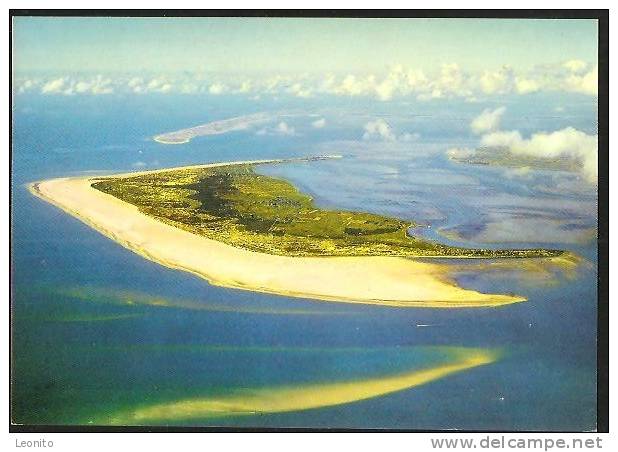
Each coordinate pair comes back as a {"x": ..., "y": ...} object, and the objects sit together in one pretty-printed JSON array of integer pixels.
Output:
[{"x": 388, "y": 281}]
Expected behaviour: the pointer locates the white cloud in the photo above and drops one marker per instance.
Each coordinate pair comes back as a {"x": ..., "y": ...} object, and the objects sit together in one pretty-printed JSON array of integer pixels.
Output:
[
  {"x": 26, "y": 85},
  {"x": 497, "y": 82},
  {"x": 352, "y": 85},
  {"x": 460, "y": 153},
  {"x": 155, "y": 84},
  {"x": 394, "y": 82},
  {"x": 188, "y": 88},
  {"x": 415, "y": 79},
  {"x": 273, "y": 84},
  {"x": 53, "y": 86},
  {"x": 136, "y": 85},
  {"x": 245, "y": 86},
  {"x": 82, "y": 87},
  {"x": 298, "y": 90},
  {"x": 501, "y": 138},
  {"x": 452, "y": 80},
  {"x": 575, "y": 65},
  {"x": 526, "y": 85},
  {"x": 283, "y": 129},
  {"x": 584, "y": 83},
  {"x": 567, "y": 143},
  {"x": 487, "y": 121},
  {"x": 379, "y": 129},
  {"x": 165, "y": 88},
  {"x": 96, "y": 85},
  {"x": 68, "y": 86},
  {"x": 217, "y": 88},
  {"x": 135, "y": 81},
  {"x": 385, "y": 89},
  {"x": 319, "y": 123}
]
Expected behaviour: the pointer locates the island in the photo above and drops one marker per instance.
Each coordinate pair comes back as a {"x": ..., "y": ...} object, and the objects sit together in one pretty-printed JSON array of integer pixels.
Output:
[
  {"x": 237, "y": 228},
  {"x": 501, "y": 156},
  {"x": 211, "y": 128}
]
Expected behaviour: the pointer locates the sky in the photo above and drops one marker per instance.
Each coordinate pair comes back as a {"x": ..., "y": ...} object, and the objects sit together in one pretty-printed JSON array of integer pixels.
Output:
[
  {"x": 479, "y": 62},
  {"x": 290, "y": 45},
  {"x": 385, "y": 59}
]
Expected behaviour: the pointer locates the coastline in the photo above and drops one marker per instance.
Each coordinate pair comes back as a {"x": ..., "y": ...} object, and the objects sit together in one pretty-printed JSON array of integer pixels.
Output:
[
  {"x": 217, "y": 127},
  {"x": 377, "y": 280},
  {"x": 158, "y": 139}
]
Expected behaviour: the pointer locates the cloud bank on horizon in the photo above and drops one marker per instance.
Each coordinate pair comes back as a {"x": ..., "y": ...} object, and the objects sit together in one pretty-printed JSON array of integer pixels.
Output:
[
  {"x": 449, "y": 82},
  {"x": 301, "y": 57}
]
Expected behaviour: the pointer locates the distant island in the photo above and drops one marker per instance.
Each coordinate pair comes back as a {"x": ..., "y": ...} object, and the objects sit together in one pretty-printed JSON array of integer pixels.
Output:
[
  {"x": 211, "y": 128},
  {"x": 500, "y": 156},
  {"x": 237, "y": 228}
]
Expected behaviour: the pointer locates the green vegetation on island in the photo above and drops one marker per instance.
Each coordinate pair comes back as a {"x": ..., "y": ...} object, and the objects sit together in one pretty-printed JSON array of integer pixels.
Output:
[
  {"x": 236, "y": 206},
  {"x": 500, "y": 156}
]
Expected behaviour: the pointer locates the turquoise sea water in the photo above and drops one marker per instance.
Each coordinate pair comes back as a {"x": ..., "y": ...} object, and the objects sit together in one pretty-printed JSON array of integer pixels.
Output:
[{"x": 98, "y": 330}]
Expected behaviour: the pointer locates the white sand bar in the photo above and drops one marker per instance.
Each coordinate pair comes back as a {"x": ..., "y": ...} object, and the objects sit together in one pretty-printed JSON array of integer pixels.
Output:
[
  {"x": 212, "y": 128},
  {"x": 389, "y": 281}
]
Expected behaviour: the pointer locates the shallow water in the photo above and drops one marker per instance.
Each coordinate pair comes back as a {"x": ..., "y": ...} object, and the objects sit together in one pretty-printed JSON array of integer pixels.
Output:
[{"x": 98, "y": 330}]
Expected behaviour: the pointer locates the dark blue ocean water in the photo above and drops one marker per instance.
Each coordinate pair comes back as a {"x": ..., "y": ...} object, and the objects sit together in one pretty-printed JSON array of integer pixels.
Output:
[{"x": 91, "y": 337}]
